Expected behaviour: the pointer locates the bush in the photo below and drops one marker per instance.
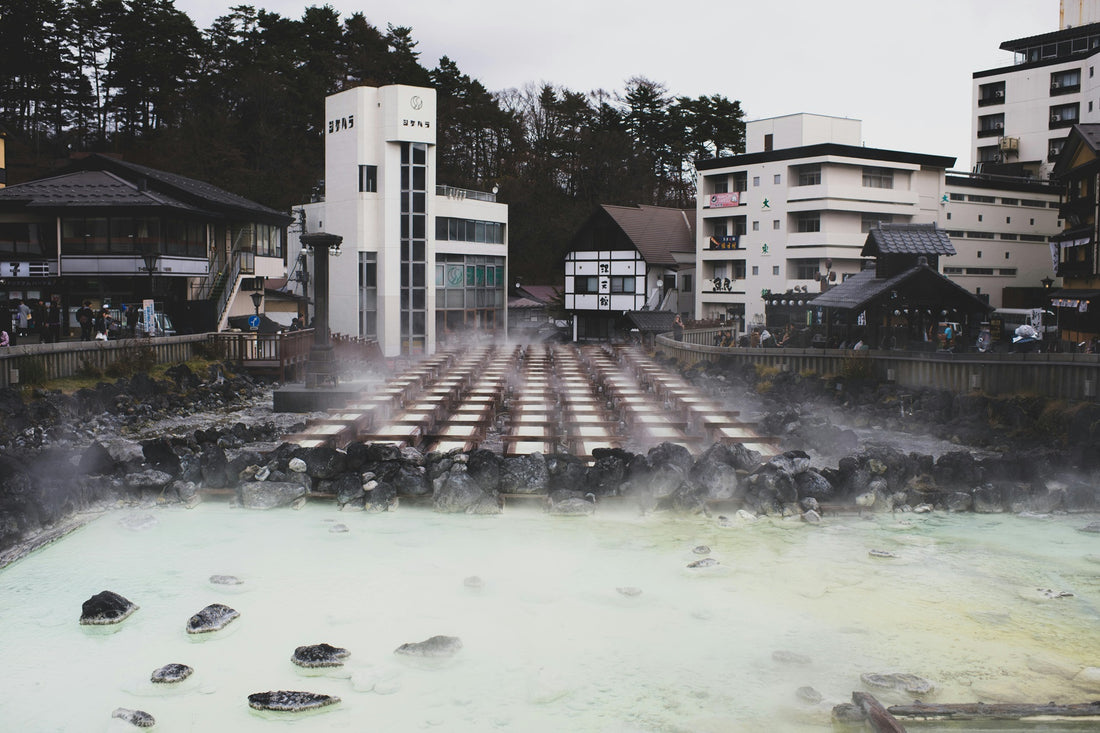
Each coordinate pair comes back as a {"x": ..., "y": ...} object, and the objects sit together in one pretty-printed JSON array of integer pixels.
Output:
[
  {"x": 32, "y": 372},
  {"x": 211, "y": 350},
  {"x": 857, "y": 366},
  {"x": 133, "y": 359},
  {"x": 89, "y": 369}
]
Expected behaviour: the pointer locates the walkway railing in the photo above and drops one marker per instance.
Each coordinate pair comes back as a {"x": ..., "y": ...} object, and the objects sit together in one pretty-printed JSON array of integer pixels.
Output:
[
  {"x": 1056, "y": 376},
  {"x": 284, "y": 354}
]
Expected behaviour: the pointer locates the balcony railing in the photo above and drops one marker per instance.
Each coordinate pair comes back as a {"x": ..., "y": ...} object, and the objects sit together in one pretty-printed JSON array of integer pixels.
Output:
[{"x": 453, "y": 192}]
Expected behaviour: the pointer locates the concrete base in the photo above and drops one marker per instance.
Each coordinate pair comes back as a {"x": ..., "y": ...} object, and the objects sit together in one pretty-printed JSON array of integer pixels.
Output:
[{"x": 298, "y": 398}]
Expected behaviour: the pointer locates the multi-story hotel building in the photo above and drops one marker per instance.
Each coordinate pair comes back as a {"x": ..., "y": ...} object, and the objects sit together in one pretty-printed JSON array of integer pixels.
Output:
[
  {"x": 796, "y": 207},
  {"x": 1021, "y": 113},
  {"x": 420, "y": 261}
]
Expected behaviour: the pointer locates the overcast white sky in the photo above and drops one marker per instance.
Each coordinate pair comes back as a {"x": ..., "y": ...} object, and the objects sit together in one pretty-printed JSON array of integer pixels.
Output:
[{"x": 904, "y": 68}]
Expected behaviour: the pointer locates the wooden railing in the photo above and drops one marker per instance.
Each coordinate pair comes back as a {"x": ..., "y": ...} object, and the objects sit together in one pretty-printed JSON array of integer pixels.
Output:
[
  {"x": 284, "y": 354},
  {"x": 20, "y": 364}
]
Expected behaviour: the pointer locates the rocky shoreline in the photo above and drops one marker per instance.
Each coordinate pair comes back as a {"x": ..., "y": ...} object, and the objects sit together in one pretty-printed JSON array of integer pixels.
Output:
[{"x": 66, "y": 457}]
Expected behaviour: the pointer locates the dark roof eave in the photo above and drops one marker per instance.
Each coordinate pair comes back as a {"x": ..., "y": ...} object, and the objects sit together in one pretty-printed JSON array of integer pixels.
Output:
[{"x": 819, "y": 149}]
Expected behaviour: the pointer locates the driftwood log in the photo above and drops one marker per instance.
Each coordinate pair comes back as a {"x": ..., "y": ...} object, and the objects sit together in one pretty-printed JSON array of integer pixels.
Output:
[
  {"x": 1002, "y": 711},
  {"x": 882, "y": 721}
]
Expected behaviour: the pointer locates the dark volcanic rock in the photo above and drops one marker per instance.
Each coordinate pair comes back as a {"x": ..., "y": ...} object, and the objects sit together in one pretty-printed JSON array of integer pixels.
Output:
[
  {"x": 212, "y": 618},
  {"x": 460, "y": 492},
  {"x": 324, "y": 462},
  {"x": 290, "y": 701},
  {"x": 570, "y": 503},
  {"x": 319, "y": 655},
  {"x": 269, "y": 494},
  {"x": 171, "y": 673},
  {"x": 105, "y": 607},
  {"x": 96, "y": 460},
  {"x": 436, "y": 646},
  {"x": 136, "y": 718},
  {"x": 527, "y": 474},
  {"x": 214, "y": 466},
  {"x": 348, "y": 488}
]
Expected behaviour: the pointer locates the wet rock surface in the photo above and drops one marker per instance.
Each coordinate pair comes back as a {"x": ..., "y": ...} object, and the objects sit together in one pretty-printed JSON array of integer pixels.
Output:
[
  {"x": 319, "y": 655},
  {"x": 171, "y": 673},
  {"x": 104, "y": 608},
  {"x": 290, "y": 701},
  {"x": 136, "y": 718},
  {"x": 214, "y": 617},
  {"x": 436, "y": 646}
]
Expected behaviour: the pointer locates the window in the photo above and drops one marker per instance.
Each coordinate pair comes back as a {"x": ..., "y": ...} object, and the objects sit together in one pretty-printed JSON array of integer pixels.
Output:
[
  {"x": 1010, "y": 202},
  {"x": 949, "y": 216},
  {"x": 776, "y": 180},
  {"x": 1065, "y": 82},
  {"x": 755, "y": 270},
  {"x": 768, "y": 141},
  {"x": 775, "y": 224},
  {"x": 719, "y": 229},
  {"x": 993, "y": 93},
  {"x": 991, "y": 125},
  {"x": 36, "y": 239},
  {"x": 878, "y": 178},
  {"x": 368, "y": 294},
  {"x": 738, "y": 270},
  {"x": 756, "y": 226},
  {"x": 805, "y": 269},
  {"x": 685, "y": 283},
  {"x": 1054, "y": 149},
  {"x": 775, "y": 270},
  {"x": 368, "y": 179},
  {"x": 718, "y": 184},
  {"x": 755, "y": 181},
  {"x": 1063, "y": 115},
  {"x": 1008, "y": 220},
  {"x": 981, "y": 199},
  {"x": 808, "y": 175},
  {"x": 740, "y": 181},
  {"x": 979, "y": 254},
  {"x": 958, "y": 197},
  {"x": 979, "y": 217},
  {"x": 809, "y": 221},
  {"x": 468, "y": 230},
  {"x": 621, "y": 284},
  {"x": 738, "y": 223},
  {"x": 1006, "y": 255},
  {"x": 585, "y": 285},
  {"x": 989, "y": 154}
]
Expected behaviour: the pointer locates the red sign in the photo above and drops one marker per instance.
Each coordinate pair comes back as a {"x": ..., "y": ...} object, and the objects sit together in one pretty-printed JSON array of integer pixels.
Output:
[{"x": 722, "y": 200}]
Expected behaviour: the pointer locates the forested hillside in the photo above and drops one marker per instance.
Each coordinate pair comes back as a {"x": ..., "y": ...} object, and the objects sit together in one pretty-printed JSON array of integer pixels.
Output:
[{"x": 241, "y": 105}]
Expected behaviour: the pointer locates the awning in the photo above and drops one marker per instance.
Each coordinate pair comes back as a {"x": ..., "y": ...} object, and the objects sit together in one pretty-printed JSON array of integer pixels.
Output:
[{"x": 1078, "y": 300}]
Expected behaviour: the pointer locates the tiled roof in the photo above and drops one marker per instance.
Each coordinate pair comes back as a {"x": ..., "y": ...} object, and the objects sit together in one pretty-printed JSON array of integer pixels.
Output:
[
  {"x": 102, "y": 181},
  {"x": 542, "y": 293},
  {"x": 915, "y": 239},
  {"x": 652, "y": 321},
  {"x": 514, "y": 303},
  {"x": 860, "y": 289},
  {"x": 656, "y": 231}
]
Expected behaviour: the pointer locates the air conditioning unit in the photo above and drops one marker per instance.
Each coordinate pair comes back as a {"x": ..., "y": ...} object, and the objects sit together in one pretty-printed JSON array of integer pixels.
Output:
[
  {"x": 1056, "y": 118},
  {"x": 999, "y": 94},
  {"x": 1056, "y": 85},
  {"x": 999, "y": 125}
]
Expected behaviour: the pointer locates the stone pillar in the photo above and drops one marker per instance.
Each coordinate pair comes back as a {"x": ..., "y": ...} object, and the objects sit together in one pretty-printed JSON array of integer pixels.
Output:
[{"x": 321, "y": 367}]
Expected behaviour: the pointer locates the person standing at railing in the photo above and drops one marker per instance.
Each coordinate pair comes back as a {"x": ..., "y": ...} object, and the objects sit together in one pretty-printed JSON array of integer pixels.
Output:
[
  {"x": 678, "y": 328},
  {"x": 22, "y": 319},
  {"x": 53, "y": 320},
  {"x": 84, "y": 317}
]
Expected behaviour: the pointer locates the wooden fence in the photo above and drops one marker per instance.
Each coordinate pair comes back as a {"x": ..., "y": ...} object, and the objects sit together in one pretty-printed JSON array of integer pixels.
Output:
[
  {"x": 281, "y": 354},
  {"x": 1056, "y": 376}
]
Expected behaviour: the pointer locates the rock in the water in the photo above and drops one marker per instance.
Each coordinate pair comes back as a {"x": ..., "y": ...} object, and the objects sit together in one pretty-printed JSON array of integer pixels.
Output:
[
  {"x": 171, "y": 673},
  {"x": 136, "y": 718},
  {"x": 338, "y": 528},
  {"x": 701, "y": 550},
  {"x": 319, "y": 655},
  {"x": 910, "y": 683},
  {"x": 808, "y": 694},
  {"x": 786, "y": 657},
  {"x": 297, "y": 465},
  {"x": 1091, "y": 527},
  {"x": 474, "y": 582},
  {"x": 629, "y": 591},
  {"x": 290, "y": 701},
  {"x": 105, "y": 607},
  {"x": 881, "y": 553},
  {"x": 706, "y": 562},
  {"x": 436, "y": 646},
  {"x": 225, "y": 580},
  {"x": 214, "y": 617},
  {"x": 269, "y": 494}
]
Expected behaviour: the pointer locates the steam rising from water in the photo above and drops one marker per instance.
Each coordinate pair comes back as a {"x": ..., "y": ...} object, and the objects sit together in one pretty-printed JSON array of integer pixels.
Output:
[{"x": 549, "y": 642}]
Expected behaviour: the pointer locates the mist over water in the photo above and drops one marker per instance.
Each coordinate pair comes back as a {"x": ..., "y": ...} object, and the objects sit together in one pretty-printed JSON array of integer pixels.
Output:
[{"x": 549, "y": 640}]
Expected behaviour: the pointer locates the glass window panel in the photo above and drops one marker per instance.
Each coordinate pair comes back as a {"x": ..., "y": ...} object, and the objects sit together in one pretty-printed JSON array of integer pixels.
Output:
[
  {"x": 418, "y": 323},
  {"x": 490, "y": 276},
  {"x": 480, "y": 275},
  {"x": 418, "y": 251},
  {"x": 419, "y": 275},
  {"x": 439, "y": 276},
  {"x": 419, "y": 179},
  {"x": 419, "y": 298},
  {"x": 453, "y": 230},
  {"x": 420, "y": 153},
  {"x": 441, "y": 228},
  {"x": 419, "y": 226},
  {"x": 455, "y": 298},
  {"x": 470, "y": 276},
  {"x": 454, "y": 276},
  {"x": 419, "y": 203}
]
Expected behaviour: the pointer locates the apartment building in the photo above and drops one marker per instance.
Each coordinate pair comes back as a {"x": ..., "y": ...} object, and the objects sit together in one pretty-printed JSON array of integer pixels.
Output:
[
  {"x": 1022, "y": 112},
  {"x": 1001, "y": 229},
  {"x": 420, "y": 261},
  {"x": 793, "y": 211}
]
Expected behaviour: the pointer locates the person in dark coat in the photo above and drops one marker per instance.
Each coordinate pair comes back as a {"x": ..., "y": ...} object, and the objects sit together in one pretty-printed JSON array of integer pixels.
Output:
[
  {"x": 53, "y": 321},
  {"x": 38, "y": 321},
  {"x": 85, "y": 317}
]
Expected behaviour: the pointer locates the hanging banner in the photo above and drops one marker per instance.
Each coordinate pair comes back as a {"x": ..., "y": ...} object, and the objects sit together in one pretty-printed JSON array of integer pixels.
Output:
[{"x": 722, "y": 200}]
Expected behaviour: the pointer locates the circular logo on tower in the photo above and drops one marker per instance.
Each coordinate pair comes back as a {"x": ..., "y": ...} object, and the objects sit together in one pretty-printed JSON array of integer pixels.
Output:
[{"x": 416, "y": 102}]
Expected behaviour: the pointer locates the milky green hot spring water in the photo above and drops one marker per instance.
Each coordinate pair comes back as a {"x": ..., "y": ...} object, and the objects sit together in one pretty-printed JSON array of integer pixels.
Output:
[{"x": 976, "y": 604}]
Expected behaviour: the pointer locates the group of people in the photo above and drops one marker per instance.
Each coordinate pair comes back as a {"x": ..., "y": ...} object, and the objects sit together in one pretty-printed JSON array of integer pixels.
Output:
[{"x": 27, "y": 320}]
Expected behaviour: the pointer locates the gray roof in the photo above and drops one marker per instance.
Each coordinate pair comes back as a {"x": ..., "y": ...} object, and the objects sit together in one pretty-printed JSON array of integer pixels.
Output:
[
  {"x": 860, "y": 289},
  {"x": 915, "y": 239},
  {"x": 652, "y": 321},
  {"x": 656, "y": 231},
  {"x": 102, "y": 181}
]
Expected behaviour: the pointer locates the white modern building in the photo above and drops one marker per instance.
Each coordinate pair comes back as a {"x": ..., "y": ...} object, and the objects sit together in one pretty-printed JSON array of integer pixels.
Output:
[
  {"x": 420, "y": 261},
  {"x": 795, "y": 209},
  {"x": 1001, "y": 229},
  {"x": 1021, "y": 113}
]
